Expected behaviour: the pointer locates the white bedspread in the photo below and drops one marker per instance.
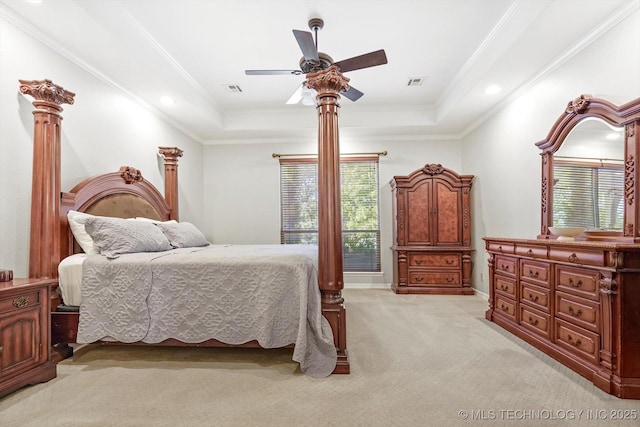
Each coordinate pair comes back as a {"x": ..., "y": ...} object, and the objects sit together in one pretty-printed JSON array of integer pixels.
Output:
[{"x": 230, "y": 293}]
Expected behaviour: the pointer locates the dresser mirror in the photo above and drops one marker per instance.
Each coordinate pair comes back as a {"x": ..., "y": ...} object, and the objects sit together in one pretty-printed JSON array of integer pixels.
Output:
[
  {"x": 589, "y": 170},
  {"x": 588, "y": 177}
]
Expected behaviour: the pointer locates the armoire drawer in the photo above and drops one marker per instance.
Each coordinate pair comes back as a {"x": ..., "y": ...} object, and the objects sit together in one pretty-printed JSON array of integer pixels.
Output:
[
  {"x": 452, "y": 260},
  {"x": 579, "y": 311},
  {"x": 440, "y": 278},
  {"x": 577, "y": 340}
]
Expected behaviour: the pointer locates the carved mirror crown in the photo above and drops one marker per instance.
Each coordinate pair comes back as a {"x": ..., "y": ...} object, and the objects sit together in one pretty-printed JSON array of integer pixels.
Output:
[{"x": 582, "y": 115}]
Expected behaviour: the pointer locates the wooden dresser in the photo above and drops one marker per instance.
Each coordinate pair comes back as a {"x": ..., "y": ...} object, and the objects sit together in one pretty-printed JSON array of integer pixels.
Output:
[
  {"x": 24, "y": 333},
  {"x": 579, "y": 302},
  {"x": 432, "y": 232}
]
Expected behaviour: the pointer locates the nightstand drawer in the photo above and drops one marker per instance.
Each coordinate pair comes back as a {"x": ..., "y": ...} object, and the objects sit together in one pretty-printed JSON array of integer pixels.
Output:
[{"x": 29, "y": 298}]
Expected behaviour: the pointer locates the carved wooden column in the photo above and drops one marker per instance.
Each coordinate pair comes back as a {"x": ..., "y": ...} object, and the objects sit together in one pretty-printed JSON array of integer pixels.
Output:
[
  {"x": 44, "y": 247},
  {"x": 171, "y": 155},
  {"x": 328, "y": 84}
]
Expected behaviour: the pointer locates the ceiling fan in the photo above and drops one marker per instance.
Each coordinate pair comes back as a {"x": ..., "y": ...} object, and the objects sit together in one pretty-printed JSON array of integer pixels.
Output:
[{"x": 313, "y": 61}]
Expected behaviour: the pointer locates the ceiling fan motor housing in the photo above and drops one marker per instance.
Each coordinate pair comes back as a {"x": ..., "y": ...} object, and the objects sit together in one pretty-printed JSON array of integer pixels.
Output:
[{"x": 309, "y": 66}]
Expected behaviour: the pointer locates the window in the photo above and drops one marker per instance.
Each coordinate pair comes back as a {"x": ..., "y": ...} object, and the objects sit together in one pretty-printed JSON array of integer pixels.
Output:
[
  {"x": 588, "y": 194},
  {"x": 360, "y": 208}
]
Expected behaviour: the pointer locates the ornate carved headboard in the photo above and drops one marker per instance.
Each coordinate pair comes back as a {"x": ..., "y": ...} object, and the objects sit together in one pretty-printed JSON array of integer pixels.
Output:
[{"x": 124, "y": 194}]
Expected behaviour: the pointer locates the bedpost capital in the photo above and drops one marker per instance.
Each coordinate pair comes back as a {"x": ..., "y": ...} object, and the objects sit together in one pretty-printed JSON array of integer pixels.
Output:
[
  {"x": 170, "y": 154},
  {"x": 46, "y": 90}
]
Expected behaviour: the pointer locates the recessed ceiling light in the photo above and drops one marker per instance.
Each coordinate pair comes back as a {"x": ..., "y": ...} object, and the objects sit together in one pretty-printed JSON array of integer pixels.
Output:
[
  {"x": 167, "y": 100},
  {"x": 492, "y": 89}
]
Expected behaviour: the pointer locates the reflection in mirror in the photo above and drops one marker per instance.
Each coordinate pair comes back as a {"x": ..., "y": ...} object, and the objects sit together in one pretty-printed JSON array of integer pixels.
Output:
[{"x": 588, "y": 177}]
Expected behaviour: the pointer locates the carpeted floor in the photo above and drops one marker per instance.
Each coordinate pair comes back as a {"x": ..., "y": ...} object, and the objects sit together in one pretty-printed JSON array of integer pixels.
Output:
[{"x": 416, "y": 360}]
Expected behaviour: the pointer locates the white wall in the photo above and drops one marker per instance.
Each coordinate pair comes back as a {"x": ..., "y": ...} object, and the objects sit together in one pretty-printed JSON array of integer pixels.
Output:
[
  {"x": 102, "y": 131},
  {"x": 242, "y": 189},
  {"x": 502, "y": 152}
]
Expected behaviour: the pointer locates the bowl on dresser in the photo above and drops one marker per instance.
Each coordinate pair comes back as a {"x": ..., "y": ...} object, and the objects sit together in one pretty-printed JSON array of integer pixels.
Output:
[{"x": 566, "y": 233}]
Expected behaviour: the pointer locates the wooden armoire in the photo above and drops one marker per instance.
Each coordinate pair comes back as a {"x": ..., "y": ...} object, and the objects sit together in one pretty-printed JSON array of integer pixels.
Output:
[{"x": 432, "y": 232}]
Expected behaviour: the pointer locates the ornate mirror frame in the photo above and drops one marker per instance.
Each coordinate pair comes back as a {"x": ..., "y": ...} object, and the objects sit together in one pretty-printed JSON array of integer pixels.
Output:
[{"x": 627, "y": 116}]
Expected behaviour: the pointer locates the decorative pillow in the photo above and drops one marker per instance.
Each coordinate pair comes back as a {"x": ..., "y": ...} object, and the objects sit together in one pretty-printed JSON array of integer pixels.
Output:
[
  {"x": 116, "y": 236},
  {"x": 182, "y": 234},
  {"x": 76, "y": 222}
]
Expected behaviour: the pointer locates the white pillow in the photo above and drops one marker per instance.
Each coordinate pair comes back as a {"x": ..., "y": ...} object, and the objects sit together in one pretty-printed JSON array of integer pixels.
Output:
[{"x": 76, "y": 222}]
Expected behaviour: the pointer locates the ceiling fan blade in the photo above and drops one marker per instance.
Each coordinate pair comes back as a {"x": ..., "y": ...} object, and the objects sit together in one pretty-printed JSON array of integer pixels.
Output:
[
  {"x": 296, "y": 97},
  {"x": 272, "y": 72},
  {"x": 352, "y": 93},
  {"x": 307, "y": 45},
  {"x": 370, "y": 59}
]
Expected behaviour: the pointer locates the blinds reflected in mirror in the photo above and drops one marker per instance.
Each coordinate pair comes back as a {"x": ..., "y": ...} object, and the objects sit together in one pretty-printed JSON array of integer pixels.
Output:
[{"x": 588, "y": 194}]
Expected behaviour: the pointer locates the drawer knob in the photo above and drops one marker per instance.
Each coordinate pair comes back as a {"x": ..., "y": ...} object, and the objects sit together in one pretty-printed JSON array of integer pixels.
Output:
[
  {"x": 533, "y": 298},
  {"x": 20, "y": 302},
  {"x": 573, "y": 258},
  {"x": 418, "y": 261},
  {"x": 573, "y": 312},
  {"x": 533, "y": 274},
  {"x": 504, "y": 267},
  {"x": 1, "y": 349},
  {"x": 571, "y": 341},
  {"x": 503, "y": 287},
  {"x": 504, "y": 307},
  {"x": 533, "y": 321},
  {"x": 449, "y": 261},
  {"x": 450, "y": 279},
  {"x": 419, "y": 279},
  {"x": 575, "y": 284}
]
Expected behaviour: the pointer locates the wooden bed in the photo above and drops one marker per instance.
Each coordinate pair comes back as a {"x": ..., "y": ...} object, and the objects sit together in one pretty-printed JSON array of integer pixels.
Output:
[{"x": 52, "y": 240}]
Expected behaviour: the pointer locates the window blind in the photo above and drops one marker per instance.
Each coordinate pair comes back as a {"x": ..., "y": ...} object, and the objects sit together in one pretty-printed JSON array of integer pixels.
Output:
[
  {"x": 359, "y": 184},
  {"x": 588, "y": 195}
]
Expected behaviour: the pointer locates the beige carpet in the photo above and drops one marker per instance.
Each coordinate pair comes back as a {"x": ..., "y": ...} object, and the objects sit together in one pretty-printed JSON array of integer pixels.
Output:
[{"x": 415, "y": 361}]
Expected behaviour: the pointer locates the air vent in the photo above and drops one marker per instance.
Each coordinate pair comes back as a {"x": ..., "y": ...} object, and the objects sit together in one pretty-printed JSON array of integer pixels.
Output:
[
  {"x": 234, "y": 88},
  {"x": 415, "y": 81}
]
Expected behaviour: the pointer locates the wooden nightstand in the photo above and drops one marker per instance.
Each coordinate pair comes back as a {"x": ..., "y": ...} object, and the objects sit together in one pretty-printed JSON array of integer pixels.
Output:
[{"x": 24, "y": 333}]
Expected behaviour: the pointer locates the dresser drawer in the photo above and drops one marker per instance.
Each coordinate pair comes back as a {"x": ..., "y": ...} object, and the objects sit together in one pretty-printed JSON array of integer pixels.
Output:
[
  {"x": 577, "y": 255},
  {"x": 441, "y": 278},
  {"x": 505, "y": 265},
  {"x": 29, "y": 298},
  {"x": 538, "y": 272},
  {"x": 501, "y": 247},
  {"x": 579, "y": 311},
  {"x": 505, "y": 307},
  {"x": 535, "y": 296},
  {"x": 535, "y": 321},
  {"x": 578, "y": 341},
  {"x": 578, "y": 281},
  {"x": 506, "y": 285},
  {"x": 435, "y": 260}
]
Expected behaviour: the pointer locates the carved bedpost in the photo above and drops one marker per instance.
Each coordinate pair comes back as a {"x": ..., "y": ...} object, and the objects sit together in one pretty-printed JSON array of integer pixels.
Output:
[
  {"x": 44, "y": 243},
  {"x": 171, "y": 155},
  {"x": 328, "y": 84}
]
